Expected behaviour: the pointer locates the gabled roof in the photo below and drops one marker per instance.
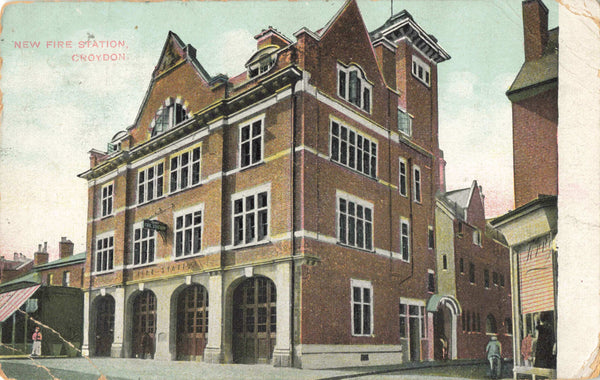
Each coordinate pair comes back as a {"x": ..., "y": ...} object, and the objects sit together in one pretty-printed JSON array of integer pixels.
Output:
[
  {"x": 538, "y": 72},
  {"x": 65, "y": 261},
  {"x": 25, "y": 281},
  {"x": 459, "y": 200}
]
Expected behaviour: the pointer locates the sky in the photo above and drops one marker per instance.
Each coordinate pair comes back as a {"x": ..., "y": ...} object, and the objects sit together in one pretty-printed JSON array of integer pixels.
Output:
[{"x": 56, "y": 108}]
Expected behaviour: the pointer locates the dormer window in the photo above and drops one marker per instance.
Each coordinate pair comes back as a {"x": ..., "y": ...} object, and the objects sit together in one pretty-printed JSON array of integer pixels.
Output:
[
  {"x": 354, "y": 87},
  {"x": 421, "y": 70},
  {"x": 262, "y": 61},
  {"x": 168, "y": 116},
  {"x": 115, "y": 144}
]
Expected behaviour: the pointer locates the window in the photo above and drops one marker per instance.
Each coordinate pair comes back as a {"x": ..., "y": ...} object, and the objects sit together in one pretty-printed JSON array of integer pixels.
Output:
[
  {"x": 412, "y": 315},
  {"x": 185, "y": 169},
  {"x": 66, "y": 280},
  {"x": 508, "y": 326},
  {"x": 362, "y": 307},
  {"x": 144, "y": 245},
  {"x": 354, "y": 87},
  {"x": 104, "y": 254},
  {"x": 107, "y": 199},
  {"x": 430, "y": 238},
  {"x": 501, "y": 280},
  {"x": 167, "y": 117},
  {"x": 461, "y": 264},
  {"x": 469, "y": 322},
  {"x": 417, "y": 184},
  {"x": 471, "y": 273},
  {"x": 251, "y": 143},
  {"x": 464, "y": 321},
  {"x": 250, "y": 218},
  {"x": 402, "y": 179},
  {"x": 460, "y": 229},
  {"x": 495, "y": 278},
  {"x": 477, "y": 237},
  {"x": 421, "y": 70},
  {"x": 352, "y": 149},
  {"x": 188, "y": 232},
  {"x": 478, "y": 322},
  {"x": 431, "y": 282},
  {"x": 50, "y": 278},
  {"x": 486, "y": 278},
  {"x": 490, "y": 325},
  {"x": 404, "y": 123},
  {"x": 262, "y": 61},
  {"x": 355, "y": 222},
  {"x": 444, "y": 262},
  {"x": 405, "y": 239},
  {"x": 150, "y": 183}
]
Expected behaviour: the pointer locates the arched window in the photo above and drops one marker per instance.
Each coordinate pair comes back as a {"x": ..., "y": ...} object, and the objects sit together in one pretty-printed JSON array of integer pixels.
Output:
[
  {"x": 490, "y": 325},
  {"x": 168, "y": 116},
  {"x": 354, "y": 87}
]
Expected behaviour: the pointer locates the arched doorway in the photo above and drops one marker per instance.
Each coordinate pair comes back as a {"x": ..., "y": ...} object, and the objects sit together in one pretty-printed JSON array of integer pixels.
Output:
[
  {"x": 254, "y": 320},
  {"x": 192, "y": 322},
  {"x": 105, "y": 325},
  {"x": 144, "y": 324},
  {"x": 445, "y": 309}
]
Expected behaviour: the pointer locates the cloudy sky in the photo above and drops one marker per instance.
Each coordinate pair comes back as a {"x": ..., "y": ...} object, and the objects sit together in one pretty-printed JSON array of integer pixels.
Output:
[{"x": 55, "y": 108}]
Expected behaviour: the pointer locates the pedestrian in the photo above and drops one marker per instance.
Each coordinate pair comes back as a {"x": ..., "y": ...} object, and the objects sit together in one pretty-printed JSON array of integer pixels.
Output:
[
  {"x": 527, "y": 350},
  {"x": 37, "y": 342},
  {"x": 147, "y": 346},
  {"x": 444, "y": 345},
  {"x": 544, "y": 349},
  {"x": 494, "y": 354}
]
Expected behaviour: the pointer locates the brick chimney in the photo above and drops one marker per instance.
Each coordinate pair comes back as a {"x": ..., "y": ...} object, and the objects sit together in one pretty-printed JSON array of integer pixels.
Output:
[
  {"x": 41, "y": 256},
  {"x": 270, "y": 36},
  {"x": 385, "y": 53},
  {"x": 65, "y": 247},
  {"x": 535, "y": 28}
]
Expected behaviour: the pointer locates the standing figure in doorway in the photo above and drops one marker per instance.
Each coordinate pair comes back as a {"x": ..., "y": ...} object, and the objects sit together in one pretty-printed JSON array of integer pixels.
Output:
[{"x": 37, "y": 342}]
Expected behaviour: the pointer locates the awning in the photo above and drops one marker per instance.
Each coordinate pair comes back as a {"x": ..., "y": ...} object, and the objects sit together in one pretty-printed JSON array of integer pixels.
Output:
[{"x": 11, "y": 301}]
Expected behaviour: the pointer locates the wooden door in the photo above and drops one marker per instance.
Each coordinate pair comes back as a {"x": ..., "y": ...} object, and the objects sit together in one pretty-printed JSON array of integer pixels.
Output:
[
  {"x": 144, "y": 324},
  {"x": 254, "y": 321},
  {"x": 105, "y": 325},
  {"x": 192, "y": 322}
]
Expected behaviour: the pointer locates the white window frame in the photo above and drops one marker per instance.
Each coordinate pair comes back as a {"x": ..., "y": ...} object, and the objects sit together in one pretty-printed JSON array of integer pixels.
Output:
[
  {"x": 421, "y": 315},
  {"x": 403, "y": 176},
  {"x": 107, "y": 241},
  {"x": 352, "y": 150},
  {"x": 362, "y": 285},
  {"x": 185, "y": 171},
  {"x": 421, "y": 70},
  {"x": 431, "y": 275},
  {"x": 261, "y": 138},
  {"x": 405, "y": 239},
  {"x": 107, "y": 199},
  {"x": 66, "y": 280},
  {"x": 417, "y": 184},
  {"x": 170, "y": 105},
  {"x": 158, "y": 182},
  {"x": 477, "y": 237},
  {"x": 344, "y": 218},
  {"x": 343, "y": 89},
  {"x": 253, "y": 213},
  {"x": 183, "y": 230},
  {"x": 403, "y": 115},
  {"x": 149, "y": 240}
]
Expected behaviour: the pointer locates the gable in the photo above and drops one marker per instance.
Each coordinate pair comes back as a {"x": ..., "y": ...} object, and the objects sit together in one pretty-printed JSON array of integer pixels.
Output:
[{"x": 475, "y": 210}]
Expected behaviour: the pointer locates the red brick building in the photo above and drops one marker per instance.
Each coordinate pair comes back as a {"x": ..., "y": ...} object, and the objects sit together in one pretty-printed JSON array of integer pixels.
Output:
[
  {"x": 473, "y": 278},
  {"x": 298, "y": 197}
]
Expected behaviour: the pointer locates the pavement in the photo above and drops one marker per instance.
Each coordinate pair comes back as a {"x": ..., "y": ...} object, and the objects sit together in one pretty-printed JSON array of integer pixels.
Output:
[{"x": 137, "y": 369}]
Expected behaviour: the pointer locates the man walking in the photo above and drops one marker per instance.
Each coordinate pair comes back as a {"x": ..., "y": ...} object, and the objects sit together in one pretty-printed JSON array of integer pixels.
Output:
[
  {"x": 37, "y": 342},
  {"x": 494, "y": 355}
]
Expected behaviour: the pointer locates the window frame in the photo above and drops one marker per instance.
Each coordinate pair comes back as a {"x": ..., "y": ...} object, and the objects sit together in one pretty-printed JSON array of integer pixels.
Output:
[
  {"x": 472, "y": 272},
  {"x": 353, "y": 151},
  {"x": 403, "y": 176},
  {"x": 149, "y": 238},
  {"x": 405, "y": 221},
  {"x": 176, "y": 176},
  {"x": 66, "y": 279},
  {"x": 419, "y": 66},
  {"x": 420, "y": 315},
  {"x": 486, "y": 278},
  {"x": 107, "y": 249},
  {"x": 417, "y": 184},
  {"x": 431, "y": 283},
  {"x": 477, "y": 237},
  {"x": 364, "y": 85},
  {"x": 404, "y": 118},
  {"x": 193, "y": 228},
  {"x": 430, "y": 238},
  {"x": 107, "y": 201},
  {"x": 362, "y": 285},
  {"x": 171, "y": 107},
  {"x": 345, "y": 217},
  {"x": 155, "y": 186},
  {"x": 244, "y": 196},
  {"x": 261, "y": 137}
]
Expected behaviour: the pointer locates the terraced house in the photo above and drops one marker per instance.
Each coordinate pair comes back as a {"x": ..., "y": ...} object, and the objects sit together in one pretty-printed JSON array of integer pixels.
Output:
[{"x": 284, "y": 215}]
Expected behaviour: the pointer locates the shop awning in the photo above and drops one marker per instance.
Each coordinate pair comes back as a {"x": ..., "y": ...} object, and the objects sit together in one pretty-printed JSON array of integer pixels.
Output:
[{"x": 11, "y": 301}]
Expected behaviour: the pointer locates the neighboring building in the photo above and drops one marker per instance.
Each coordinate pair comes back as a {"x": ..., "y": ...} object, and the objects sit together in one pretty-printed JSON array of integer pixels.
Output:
[
  {"x": 473, "y": 274},
  {"x": 11, "y": 269},
  {"x": 297, "y": 197},
  {"x": 38, "y": 297},
  {"x": 531, "y": 228}
]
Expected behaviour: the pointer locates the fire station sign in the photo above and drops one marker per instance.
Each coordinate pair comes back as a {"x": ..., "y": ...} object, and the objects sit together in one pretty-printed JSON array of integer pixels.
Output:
[{"x": 154, "y": 225}]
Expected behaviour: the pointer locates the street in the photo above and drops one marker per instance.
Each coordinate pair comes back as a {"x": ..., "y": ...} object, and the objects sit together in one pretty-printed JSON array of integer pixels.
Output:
[{"x": 135, "y": 369}]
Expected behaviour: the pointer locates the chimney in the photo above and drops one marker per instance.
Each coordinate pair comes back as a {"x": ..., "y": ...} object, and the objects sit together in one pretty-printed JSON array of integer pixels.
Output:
[
  {"x": 535, "y": 28},
  {"x": 385, "y": 53},
  {"x": 40, "y": 257},
  {"x": 65, "y": 247},
  {"x": 270, "y": 36},
  {"x": 441, "y": 172}
]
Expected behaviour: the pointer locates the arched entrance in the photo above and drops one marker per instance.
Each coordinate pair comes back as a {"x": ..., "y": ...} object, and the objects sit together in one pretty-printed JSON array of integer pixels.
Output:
[
  {"x": 254, "y": 320},
  {"x": 105, "y": 325},
  {"x": 144, "y": 324},
  {"x": 192, "y": 322},
  {"x": 446, "y": 310}
]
